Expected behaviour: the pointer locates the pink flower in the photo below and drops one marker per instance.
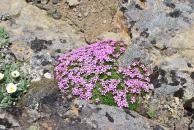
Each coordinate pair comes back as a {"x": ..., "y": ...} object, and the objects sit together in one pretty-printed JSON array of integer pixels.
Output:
[
  {"x": 133, "y": 100},
  {"x": 95, "y": 65}
]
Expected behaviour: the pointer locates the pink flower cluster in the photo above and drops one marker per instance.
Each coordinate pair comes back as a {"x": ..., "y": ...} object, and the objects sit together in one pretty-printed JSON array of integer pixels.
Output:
[{"x": 82, "y": 69}]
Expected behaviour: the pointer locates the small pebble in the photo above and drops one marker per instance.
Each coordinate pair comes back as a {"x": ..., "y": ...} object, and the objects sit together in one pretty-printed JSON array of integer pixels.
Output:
[
  {"x": 36, "y": 79},
  {"x": 69, "y": 97},
  {"x": 192, "y": 105},
  {"x": 29, "y": 1},
  {"x": 48, "y": 75},
  {"x": 73, "y": 2},
  {"x": 192, "y": 75},
  {"x": 2, "y": 127},
  {"x": 79, "y": 15},
  {"x": 176, "y": 99},
  {"x": 55, "y": 1},
  {"x": 57, "y": 15},
  {"x": 157, "y": 127},
  {"x": 74, "y": 9},
  {"x": 104, "y": 21},
  {"x": 86, "y": 14},
  {"x": 44, "y": 1},
  {"x": 189, "y": 65}
]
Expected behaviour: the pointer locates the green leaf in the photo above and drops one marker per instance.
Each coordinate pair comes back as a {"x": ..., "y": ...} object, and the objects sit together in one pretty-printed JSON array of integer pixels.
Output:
[
  {"x": 115, "y": 75},
  {"x": 105, "y": 99},
  {"x": 121, "y": 86},
  {"x": 4, "y": 39},
  {"x": 5, "y": 99},
  {"x": 90, "y": 76},
  {"x": 103, "y": 76},
  {"x": 117, "y": 49},
  {"x": 151, "y": 114},
  {"x": 135, "y": 105}
]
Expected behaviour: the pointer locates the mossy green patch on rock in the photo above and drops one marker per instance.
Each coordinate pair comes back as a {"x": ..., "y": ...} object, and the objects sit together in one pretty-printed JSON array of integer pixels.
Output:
[{"x": 37, "y": 91}]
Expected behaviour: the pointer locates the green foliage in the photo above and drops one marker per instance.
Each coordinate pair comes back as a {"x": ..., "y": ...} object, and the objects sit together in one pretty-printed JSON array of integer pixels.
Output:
[
  {"x": 115, "y": 75},
  {"x": 105, "y": 99},
  {"x": 113, "y": 10},
  {"x": 6, "y": 71},
  {"x": 135, "y": 105},
  {"x": 4, "y": 42},
  {"x": 7, "y": 99},
  {"x": 108, "y": 98},
  {"x": 151, "y": 114},
  {"x": 4, "y": 38},
  {"x": 49, "y": 13}
]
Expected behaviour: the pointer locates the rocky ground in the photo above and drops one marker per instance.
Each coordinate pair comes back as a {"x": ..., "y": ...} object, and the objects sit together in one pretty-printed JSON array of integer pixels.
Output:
[{"x": 159, "y": 32}]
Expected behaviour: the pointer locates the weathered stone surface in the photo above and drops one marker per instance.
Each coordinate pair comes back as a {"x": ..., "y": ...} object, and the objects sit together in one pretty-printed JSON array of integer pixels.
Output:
[
  {"x": 38, "y": 39},
  {"x": 157, "y": 23},
  {"x": 192, "y": 126},
  {"x": 184, "y": 43},
  {"x": 163, "y": 30},
  {"x": 37, "y": 91},
  {"x": 188, "y": 86},
  {"x": 73, "y": 2},
  {"x": 7, "y": 120},
  {"x": 161, "y": 34},
  {"x": 115, "y": 36},
  {"x": 10, "y": 8},
  {"x": 133, "y": 52},
  {"x": 182, "y": 124},
  {"x": 165, "y": 90},
  {"x": 169, "y": 109},
  {"x": 189, "y": 105},
  {"x": 21, "y": 51},
  {"x": 174, "y": 63},
  {"x": 107, "y": 117}
]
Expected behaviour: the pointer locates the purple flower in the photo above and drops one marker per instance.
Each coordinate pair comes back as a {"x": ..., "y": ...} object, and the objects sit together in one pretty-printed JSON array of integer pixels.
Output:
[{"x": 95, "y": 65}]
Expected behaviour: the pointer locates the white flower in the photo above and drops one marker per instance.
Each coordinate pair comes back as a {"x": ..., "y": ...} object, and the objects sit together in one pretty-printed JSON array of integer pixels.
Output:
[
  {"x": 1, "y": 76},
  {"x": 15, "y": 74},
  {"x": 11, "y": 88}
]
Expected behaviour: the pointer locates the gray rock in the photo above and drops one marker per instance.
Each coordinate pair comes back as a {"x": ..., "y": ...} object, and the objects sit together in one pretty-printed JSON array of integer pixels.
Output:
[
  {"x": 192, "y": 125},
  {"x": 168, "y": 27},
  {"x": 4, "y": 17},
  {"x": 73, "y": 2},
  {"x": 170, "y": 51},
  {"x": 165, "y": 90},
  {"x": 34, "y": 115},
  {"x": 175, "y": 64},
  {"x": 57, "y": 15},
  {"x": 38, "y": 90},
  {"x": 155, "y": 19},
  {"x": 189, "y": 104},
  {"x": 183, "y": 124},
  {"x": 48, "y": 75},
  {"x": 188, "y": 86},
  {"x": 8, "y": 118},
  {"x": 37, "y": 49},
  {"x": 21, "y": 51},
  {"x": 107, "y": 117},
  {"x": 44, "y": 1},
  {"x": 2, "y": 127},
  {"x": 10, "y": 8},
  {"x": 133, "y": 52},
  {"x": 55, "y": 1},
  {"x": 158, "y": 23},
  {"x": 157, "y": 127}
]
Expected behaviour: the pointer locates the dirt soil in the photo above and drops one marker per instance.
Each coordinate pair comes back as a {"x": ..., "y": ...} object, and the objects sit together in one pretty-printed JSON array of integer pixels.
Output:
[{"x": 91, "y": 17}]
